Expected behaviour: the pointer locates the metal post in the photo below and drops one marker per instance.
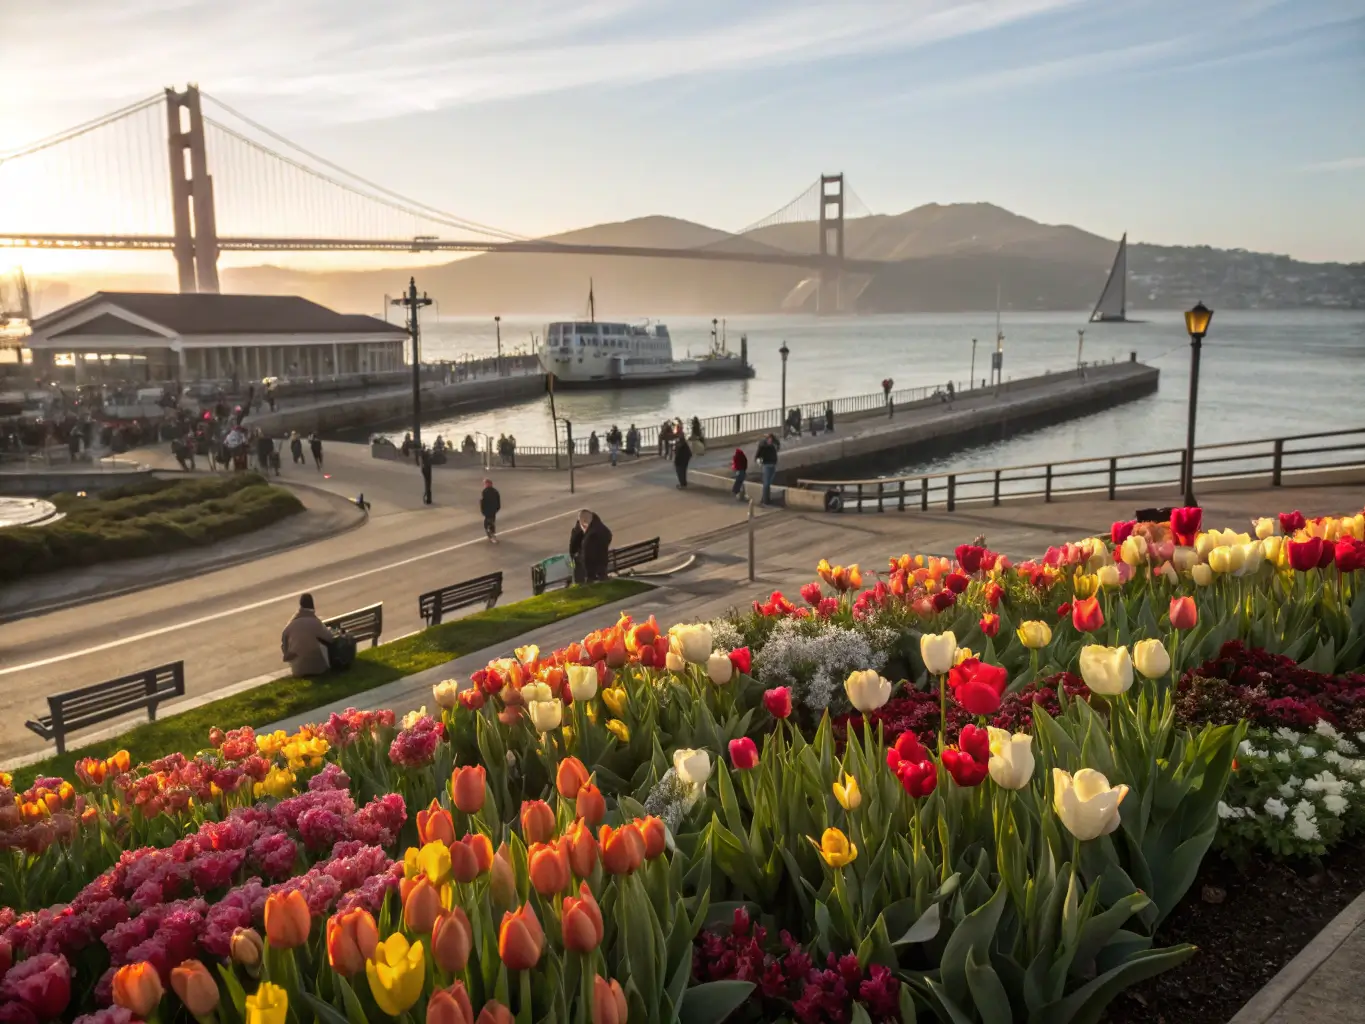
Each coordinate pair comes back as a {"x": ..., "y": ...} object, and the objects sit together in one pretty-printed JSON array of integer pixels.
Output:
[
  {"x": 413, "y": 302},
  {"x": 497, "y": 325},
  {"x": 972, "y": 377},
  {"x": 1080, "y": 344},
  {"x": 1279, "y": 463},
  {"x": 751, "y": 540},
  {"x": 1196, "y": 343},
  {"x": 568, "y": 437},
  {"x": 784, "y": 352}
]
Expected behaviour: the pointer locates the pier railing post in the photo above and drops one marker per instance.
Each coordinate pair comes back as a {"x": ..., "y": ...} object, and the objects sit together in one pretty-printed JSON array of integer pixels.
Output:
[
  {"x": 1113, "y": 477},
  {"x": 952, "y": 491},
  {"x": 924, "y": 494},
  {"x": 860, "y": 498},
  {"x": 995, "y": 493},
  {"x": 1185, "y": 484},
  {"x": 1279, "y": 463},
  {"x": 751, "y": 540},
  {"x": 901, "y": 496},
  {"x": 881, "y": 490}
]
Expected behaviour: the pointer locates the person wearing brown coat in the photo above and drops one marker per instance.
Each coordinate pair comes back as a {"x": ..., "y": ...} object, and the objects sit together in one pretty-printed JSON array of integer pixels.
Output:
[{"x": 304, "y": 641}]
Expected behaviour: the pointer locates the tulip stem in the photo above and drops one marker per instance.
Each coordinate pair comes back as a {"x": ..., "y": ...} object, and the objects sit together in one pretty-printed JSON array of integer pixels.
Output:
[{"x": 942, "y": 712}]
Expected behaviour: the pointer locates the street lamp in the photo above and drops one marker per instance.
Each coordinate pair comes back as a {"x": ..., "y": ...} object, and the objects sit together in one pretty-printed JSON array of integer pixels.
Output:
[
  {"x": 784, "y": 352},
  {"x": 1197, "y": 324},
  {"x": 714, "y": 336},
  {"x": 413, "y": 303},
  {"x": 497, "y": 326}
]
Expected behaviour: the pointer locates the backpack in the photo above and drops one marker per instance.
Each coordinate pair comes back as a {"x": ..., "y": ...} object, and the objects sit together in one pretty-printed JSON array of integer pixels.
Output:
[{"x": 341, "y": 652}]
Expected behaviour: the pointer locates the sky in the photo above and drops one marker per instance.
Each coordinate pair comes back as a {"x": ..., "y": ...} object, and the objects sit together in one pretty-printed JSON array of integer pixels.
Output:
[{"x": 1233, "y": 123}]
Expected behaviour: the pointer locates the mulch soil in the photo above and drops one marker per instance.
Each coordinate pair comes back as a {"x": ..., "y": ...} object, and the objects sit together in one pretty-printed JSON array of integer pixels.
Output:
[{"x": 1247, "y": 923}]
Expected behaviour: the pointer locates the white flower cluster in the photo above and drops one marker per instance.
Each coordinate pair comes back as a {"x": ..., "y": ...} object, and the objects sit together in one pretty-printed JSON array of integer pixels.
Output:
[
  {"x": 815, "y": 664},
  {"x": 727, "y": 636}
]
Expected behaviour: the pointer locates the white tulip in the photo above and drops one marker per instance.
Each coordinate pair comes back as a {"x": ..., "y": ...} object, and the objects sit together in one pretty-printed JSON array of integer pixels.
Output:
[
  {"x": 1108, "y": 575},
  {"x": 1106, "y": 670},
  {"x": 1087, "y": 805},
  {"x": 937, "y": 650},
  {"x": 532, "y": 692},
  {"x": 692, "y": 766},
  {"x": 545, "y": 714},
  {"x": 1150, "y": 658},
  {"x": 693, "y": 643},
  {"x": 1202, "y": 575},
  {"x": 719, "y": 668},
  {"x": 1184, "y": 559},
  {"x": 1265, "y": 528},
  {"x": 582, "y": 681},
  {"x": 867, "y": 691},
  {"x": 446, "y": 693},
  {"x": 674, "y": 662},
  {"x": 1011, "y": 763}
]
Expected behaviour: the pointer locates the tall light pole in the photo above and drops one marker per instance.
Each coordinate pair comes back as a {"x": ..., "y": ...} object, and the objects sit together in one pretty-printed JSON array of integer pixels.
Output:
[
  {"x": 497, "y": 326},
  {"x": 1197, "y": 324},
  {"x": 414, "y": 303},
  {"x": 971, "y": 380},
  {"x": 784, "y": 352},
  {"x": 715, "y": 338}
]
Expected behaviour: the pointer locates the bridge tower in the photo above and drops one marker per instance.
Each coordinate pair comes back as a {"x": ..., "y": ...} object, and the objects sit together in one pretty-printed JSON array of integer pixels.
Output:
[
  {"x": 828, "y": 297},
  {"x": 196, "y": 231}
]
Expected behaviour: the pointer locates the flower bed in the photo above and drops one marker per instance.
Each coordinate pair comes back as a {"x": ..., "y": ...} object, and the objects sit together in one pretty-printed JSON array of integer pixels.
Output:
[{"x": 743, "y": 820}]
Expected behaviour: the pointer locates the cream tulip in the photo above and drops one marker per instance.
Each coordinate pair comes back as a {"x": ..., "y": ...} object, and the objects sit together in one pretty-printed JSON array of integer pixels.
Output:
[
  {"x": 1265, "y": 528},
  {"x": 1202, "y": 575},
  {"x": 1086, "y": 804},
  {"x": 1011, "y": 763},
  {"x": 446, "y": 693},
  {"x": 693, "y": 643},
  {"x": 532, "y": 692},
  {"x": 1106, "y": 670},
  {"x": 1168, "y": 573},
  {"x": 1109, "y": 577},
  {"x": 719, "y": 668},
  {"x": 582, "y": 681},
  {"x": 1035, "y": 634},
  {"x": 545, "y": 714},
  {"x": 674, "y": 662},
  {"x": 528, "y": 655},
  {"x": 1184, "y": 559},
  {"x": 1134, "y": 550},
  {"x": 1150, "y": 658},
  {"x": 867, "y": 690},
  {"x": 1252, "y": 554},
  {"x": 1206, "y": 542},
  {"x": 413, "y": 717},
  {"x": 937, "y": 650},
  {"x": 1272, "y": 548},
  {"x": 692, "y": 766}
]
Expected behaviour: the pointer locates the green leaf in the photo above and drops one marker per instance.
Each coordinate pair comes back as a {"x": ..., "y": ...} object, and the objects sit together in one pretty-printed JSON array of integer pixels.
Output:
[
  {"x": 713, "y": 1001},
  {"x": 1087, "y": 1003},
  {"x": 924, "y": 929},
  {"x": 988, "y": 993},
  {"x": 321, "y": 1010},
  {"x": 859, "y": 1015},
  {"x": 355, "y": 1013}
]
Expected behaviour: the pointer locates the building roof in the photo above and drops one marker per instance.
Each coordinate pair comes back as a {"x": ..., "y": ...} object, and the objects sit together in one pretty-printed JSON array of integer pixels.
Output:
[{"x": 229, "y": 314}]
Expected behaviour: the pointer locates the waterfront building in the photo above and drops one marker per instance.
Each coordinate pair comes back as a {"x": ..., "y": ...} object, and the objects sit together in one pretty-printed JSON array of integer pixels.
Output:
[{"x": 161, "y": 336}]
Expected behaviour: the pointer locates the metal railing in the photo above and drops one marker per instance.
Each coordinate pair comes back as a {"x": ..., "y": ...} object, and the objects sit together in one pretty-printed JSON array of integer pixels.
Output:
[{"x": 1265, "y": 457}]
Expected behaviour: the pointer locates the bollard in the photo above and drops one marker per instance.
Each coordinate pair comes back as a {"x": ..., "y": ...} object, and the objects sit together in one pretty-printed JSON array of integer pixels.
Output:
[{"x": 751, "y": 540}]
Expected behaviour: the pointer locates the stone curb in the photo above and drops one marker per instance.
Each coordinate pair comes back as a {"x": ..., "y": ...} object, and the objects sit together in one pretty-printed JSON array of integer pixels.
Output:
[{"x": 1281, "y": 988}]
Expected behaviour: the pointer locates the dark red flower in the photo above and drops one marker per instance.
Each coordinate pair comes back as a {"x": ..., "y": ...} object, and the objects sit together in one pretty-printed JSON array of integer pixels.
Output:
[
  {"x": 942, "y": 600},
  {"x": 969, "y": 557},
  {"x": 977, "y": 686},
  {"x": 1350, "y": 554},
  {"x": 743, "y": 753},
  {"x": 1304, "y": 554},
  {"x": 742, "y": 659},
  {"x": 1185, "y": 523},
  {"x": 1120, "y": 532},
  {"x": 956, "y": 582},
  {"x": 918, "y": 778},
  {"x": 1291, "y": 521},
  {"x": 778, "y": 701},
  {"x": 966, "y": 770}
]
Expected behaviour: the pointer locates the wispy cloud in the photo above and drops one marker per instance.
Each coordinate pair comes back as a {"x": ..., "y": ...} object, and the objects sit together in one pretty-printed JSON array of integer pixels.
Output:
[{"x": 1348, "y": 163}]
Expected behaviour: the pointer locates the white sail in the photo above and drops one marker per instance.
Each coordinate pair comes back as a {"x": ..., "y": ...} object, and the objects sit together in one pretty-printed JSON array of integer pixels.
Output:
[{"x": 1113, "y": 301}]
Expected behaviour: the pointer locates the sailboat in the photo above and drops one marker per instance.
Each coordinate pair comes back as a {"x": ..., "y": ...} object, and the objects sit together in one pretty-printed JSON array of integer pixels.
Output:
[{"x": 1112, "y": 307}]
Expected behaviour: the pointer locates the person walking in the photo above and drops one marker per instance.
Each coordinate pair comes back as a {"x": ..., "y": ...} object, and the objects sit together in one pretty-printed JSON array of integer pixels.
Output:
[
  {"x": 424, "y": 459},
  {"x": 766, "y": 454},
  {"x": 315, "y": 445},
  {"x": 490, "y": 503},
  {"x": 589, "y": 542},
  {"x": 614, "y": 443},
  {"x": 682, "y": 455},
  {"x": 296, "y": 448},
  {"x": 665, "y": 439},
  {"x": 304, "y": 641},
  {"x": 829, "y": 418},
  {"x": 739, "y": 466}
]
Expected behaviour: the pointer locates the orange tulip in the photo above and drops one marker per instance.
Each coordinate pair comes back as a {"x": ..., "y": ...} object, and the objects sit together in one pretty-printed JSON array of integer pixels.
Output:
[
  {"x": 537, "y": 822},
  {"x": 471, "y": 857},
  {"x": 422, "y": 906},
  {"x": 195, "y": 987},
  {"x": 450, "y": 1006},
  {"x": 591, "y": 806},
  {"x": 582, "y": 921},
  {"x": 351, "y": 940},
  {"x": 287, "y": 920},
  {"x": 623, "y": 849},
  {"x": 435, "y": 825},
  {"x": 654, "y": 833},
  {"x": 137, "y": 987},
  {"x": 548, "y": 867},
  {"x": 494, "y": 1012},
  {"x": 581, "y": 847},
  {"x": 467, "y": 786},
  {"x": 92, "y": 769},
  {"x": 608, "y": 1002},
  {"x": 120, "y": 762},
  {"x": 502, "y": 884},
  {"x": 520, "y": 939},
  {"x": 1184, "y": 613},
  {"x": 452, "y": 939},
  {"x": 570, "y": 777}
]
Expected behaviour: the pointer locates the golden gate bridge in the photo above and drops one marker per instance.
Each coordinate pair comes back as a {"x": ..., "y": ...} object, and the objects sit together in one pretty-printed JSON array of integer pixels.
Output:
[{"x": 165, "y": 173}]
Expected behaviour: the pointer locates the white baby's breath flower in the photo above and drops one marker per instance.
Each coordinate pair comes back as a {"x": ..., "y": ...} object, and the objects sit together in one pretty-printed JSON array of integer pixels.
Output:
[
  {"x": 1324, "y": 728},
  {"x": 1282, "y": 756},
  {"x": 1335, "y": 805},
  {"x": 1306, "y": 822},
  {"x": 1306, "y": 751},
  {"x": 1276, "y": 808},
  {"x": 1287, "y": 734},
  {"x": 1290, "y": 787},
  {"x": 1360, "y": 736},
  {"x": 1224, "y": 811},
  {"x": 1346, "y": 746}
]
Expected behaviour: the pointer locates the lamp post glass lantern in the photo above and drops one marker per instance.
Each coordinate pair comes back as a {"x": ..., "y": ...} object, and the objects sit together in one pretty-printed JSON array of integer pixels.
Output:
[
  {"x": 784, "y": 352},
  {"x": 1197, "y": 322}
]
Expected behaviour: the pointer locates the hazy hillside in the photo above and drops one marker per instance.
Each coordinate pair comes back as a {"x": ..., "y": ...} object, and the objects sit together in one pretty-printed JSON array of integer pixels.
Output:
[{"x": 939, "y": 258}]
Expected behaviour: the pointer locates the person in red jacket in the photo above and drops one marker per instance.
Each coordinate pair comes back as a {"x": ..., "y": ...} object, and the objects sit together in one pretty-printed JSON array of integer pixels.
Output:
[{"x": 739, "y": 465}]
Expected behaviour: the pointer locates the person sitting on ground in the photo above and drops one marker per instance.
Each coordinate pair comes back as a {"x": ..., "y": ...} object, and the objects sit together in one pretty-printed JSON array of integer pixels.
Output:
[
  {"x": 589, "y": 542},
  {"x": 304, "y": 641}
]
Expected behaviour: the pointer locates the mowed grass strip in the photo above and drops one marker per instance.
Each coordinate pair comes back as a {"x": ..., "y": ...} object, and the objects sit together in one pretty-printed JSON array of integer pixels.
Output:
[
  {"x": 151, "y": 517},
  {"x": 374, "y": 666}
]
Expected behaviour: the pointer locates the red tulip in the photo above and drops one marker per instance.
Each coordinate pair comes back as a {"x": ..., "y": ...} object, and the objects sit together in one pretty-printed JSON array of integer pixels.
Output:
[
  {"x": 137, "y": 987},
  {"x": 742, "y": 659},
  {"x": 471, "y": 699},
  {"x": 581, "y": 848},
  {"x": 582, "y": 921},
  {"x": 608, "y": 1002},
  {"x": 471, "y": 857},
  {"x": 570, "y": 777},
  {"x": 743, "y": 753},
  {"x": 195, "y": 987},
  {"x": 1185, "y": 524},
  {"x": 435, "y": 825},
  {"x": 918, "y": 778},
  {"x": 1350, "y": 555},
  {"x": 1184, "y": 613},
  {"x": 1304, "y": 554},
  {"x": 1328, "y": 556},
  {"x": 287, "y": 920},
  {"x": 994, "y": 592},
  {"x": 1120, "y": 532},
  {"x": 351, "y": 940},
  {"x": 421, "y": 906},
  {"x": 1064, "y": 609},
  {"x": 969, "y": 557},
  {"x": 966, "y": 770},
  {"x": 990, "y": 624},
  {"x": 778, "y": 701},
  {"x": 494, "y": 1012},
  {"x": 623, "y": 849},
  {"x": 1292, "y": 521},
  {"x": 537, "y": 821},
  {"x": 906, "y": 748},
  {"x": 548, "y": 868},
  {"x": 1087, "y": 615},
  {"x": 654, "y": 834},
  {"x": 521, "y": 940},
  {"x": 975, "y": 741},
  {"x": 978, "y": 687},
  {"x": 811, "y": 593}
]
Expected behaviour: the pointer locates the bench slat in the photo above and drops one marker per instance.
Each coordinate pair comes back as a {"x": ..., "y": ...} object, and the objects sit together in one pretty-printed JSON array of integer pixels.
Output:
[
  {"x": 362, "y": 624},
  {"x": 434, "y": 604},
  {"x": 89, "y": 705}
]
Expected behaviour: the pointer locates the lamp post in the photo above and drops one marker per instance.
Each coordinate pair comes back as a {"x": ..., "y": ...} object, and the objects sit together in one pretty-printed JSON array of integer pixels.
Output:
[
  {"x": 971, "y": 378},
  {"x": 784, "y": 352},
  {"x": 714, "y": 336},
  {"x": 1080, "y": 344},
  {"x": 1197, "y": 324},
  {"x": 497, "y": 326},
  {"x": 411, "y": 300}
]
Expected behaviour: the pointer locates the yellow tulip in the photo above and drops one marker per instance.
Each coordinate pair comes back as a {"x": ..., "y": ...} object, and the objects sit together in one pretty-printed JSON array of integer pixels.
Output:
[
  {"x": 1272, "y": 548},
  {"x": 545, "y": 714},
  {"x": 1109, "y": 577},
  {"x": 397, "y": 974},
  {"x": 446, "y": 693},
  {"x": 532, "y": 692},
  {"x": 1206, "y": 542},
  {"x": 616, "y": 699},
  {"x": 1202, "y": 575},
  {"x": 847, "y": 793},
  {"x": 619, "y": 729},
  {"x": 433, "y": 860},
  {"x": 269, "y": 1004},
  {"x": 835, "y": 848},
  {"x": 1226, "y": 560},
  {"x": 1150, "y": 658},
  {"x": 1265, "y": 528},
  {"x": 963, "y": 654},
  {"x": 1252, "y": 554},
  {"x": 1085, "y": 585},
  {"x": 1087, "y": 805},
  {"x": 1106, "y": 670},
  {"x": 1134, "y": 550},
  {"x": 527, "y": 655},
  {"x": 582, "y": 681},
  {"x": 1034, "y": 634}
]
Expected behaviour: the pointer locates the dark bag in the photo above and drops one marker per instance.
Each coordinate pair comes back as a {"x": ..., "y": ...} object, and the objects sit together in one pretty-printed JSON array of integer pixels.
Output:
[{"x": 341, "y": 652}]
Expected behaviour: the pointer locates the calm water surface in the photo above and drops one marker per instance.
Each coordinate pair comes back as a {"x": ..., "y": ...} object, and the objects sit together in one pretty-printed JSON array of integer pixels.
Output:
[{"x": 1263, "y": 374}]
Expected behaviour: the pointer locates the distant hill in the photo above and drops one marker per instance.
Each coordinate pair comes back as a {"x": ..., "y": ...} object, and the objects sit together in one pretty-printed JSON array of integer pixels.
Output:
[{"x": 939, "y": 259}]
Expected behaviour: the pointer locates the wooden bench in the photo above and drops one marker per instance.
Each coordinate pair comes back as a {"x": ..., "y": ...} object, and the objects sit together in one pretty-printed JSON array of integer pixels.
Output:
[
  {"x": 362, "y": 624},
  {"x": 434, "y": 605},
  {"x": 632, "y": 555},
  {"x": 90, "y": 705}
]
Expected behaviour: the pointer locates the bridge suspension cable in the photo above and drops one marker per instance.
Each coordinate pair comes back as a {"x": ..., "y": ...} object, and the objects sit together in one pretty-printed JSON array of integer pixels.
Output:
[{"x": 77, "y": 131}]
